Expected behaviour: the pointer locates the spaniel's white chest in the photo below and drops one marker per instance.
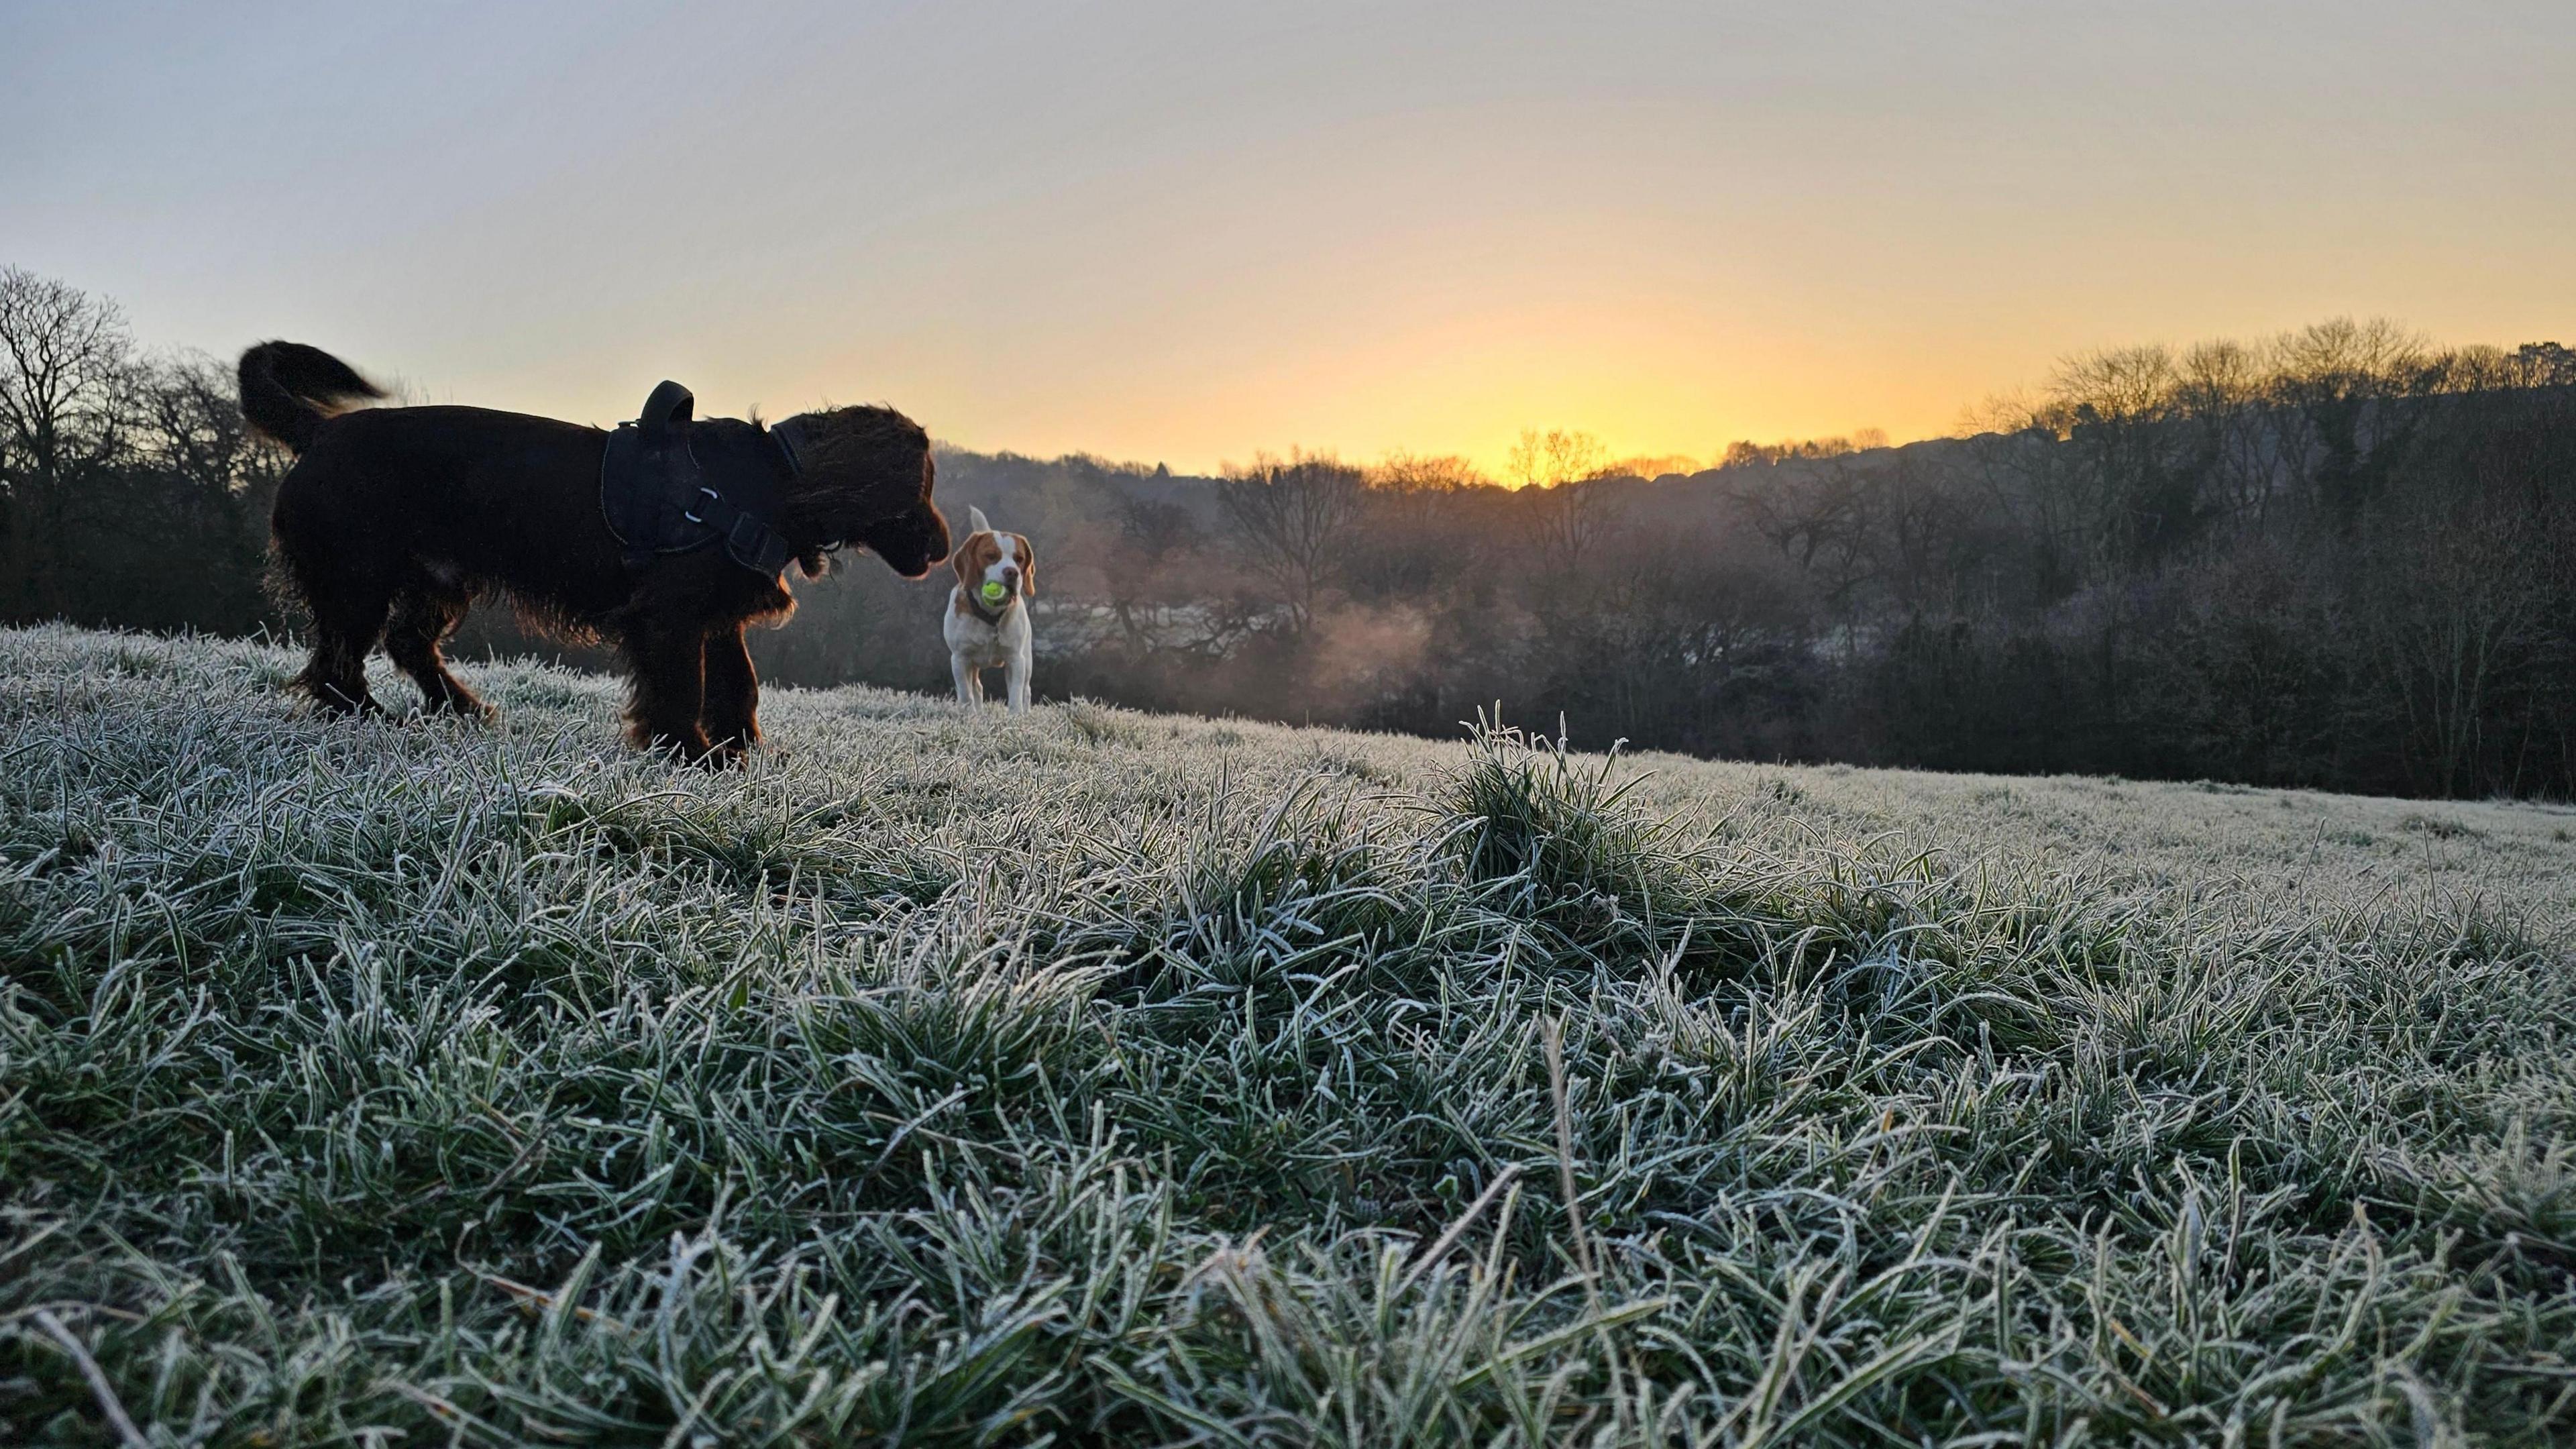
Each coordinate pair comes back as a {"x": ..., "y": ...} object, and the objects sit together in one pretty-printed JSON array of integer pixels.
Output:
[{"x": 983, "y": 643}]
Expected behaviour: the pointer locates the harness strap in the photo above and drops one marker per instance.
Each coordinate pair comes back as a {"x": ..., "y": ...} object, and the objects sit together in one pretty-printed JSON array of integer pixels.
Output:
[
  {"x": 665, "y": 480},
  {"x": 752, "y": 543},
  {"x": 789, "y": 435},
  {"x": 666, "y": 410}
]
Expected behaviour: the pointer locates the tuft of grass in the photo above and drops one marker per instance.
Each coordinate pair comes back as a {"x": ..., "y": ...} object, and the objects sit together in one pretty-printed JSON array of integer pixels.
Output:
[
  {"x": 1551, "y": 836},
  {"x": 2437, "y": 827},
  {"x": 1099, "y": 724},
  {"x": 930, "y": 1083}
]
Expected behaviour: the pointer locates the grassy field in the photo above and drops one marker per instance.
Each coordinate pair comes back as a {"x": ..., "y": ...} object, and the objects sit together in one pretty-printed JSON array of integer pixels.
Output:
[{"x": 1134, "y": 1080}]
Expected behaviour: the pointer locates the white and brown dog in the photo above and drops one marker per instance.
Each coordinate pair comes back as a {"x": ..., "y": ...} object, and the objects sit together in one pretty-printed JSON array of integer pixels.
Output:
[{"x": 987, "y": 624}]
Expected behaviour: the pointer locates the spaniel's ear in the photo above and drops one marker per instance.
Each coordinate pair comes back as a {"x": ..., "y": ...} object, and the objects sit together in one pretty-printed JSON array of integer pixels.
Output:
[
  {"x": 1028, "y": 567},
  {"x": 962, "y": 559}
]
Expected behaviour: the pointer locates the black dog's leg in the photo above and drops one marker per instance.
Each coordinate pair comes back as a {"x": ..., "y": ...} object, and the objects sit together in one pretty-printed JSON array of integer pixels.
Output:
[
  {"x": 345, "y": 592},
  {"x": 423, "y": 618},
  {"x": 668, "y": 661},
  {"x": 346, "y": 623},
  {"x": 732, "y": 713}
]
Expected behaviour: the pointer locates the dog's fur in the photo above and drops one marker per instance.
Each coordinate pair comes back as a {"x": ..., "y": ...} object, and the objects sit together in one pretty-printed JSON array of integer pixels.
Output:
[
  {"x": 982, "y": 637},
  {"x": 394, "y": 520}
]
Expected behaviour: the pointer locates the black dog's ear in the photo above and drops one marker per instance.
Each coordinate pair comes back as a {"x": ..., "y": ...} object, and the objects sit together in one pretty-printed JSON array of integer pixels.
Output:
[{"x": 813, "y": 563}]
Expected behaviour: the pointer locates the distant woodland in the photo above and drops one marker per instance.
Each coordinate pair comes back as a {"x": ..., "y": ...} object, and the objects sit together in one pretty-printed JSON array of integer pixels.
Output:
[{"x": 2340, "y": 558}]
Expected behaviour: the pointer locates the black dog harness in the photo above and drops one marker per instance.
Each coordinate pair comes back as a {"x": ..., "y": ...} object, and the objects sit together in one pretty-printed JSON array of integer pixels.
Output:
[{"x": 668, "y": 484}]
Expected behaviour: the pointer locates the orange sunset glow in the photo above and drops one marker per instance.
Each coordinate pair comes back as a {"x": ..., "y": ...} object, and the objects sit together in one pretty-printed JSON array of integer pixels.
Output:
[{"x": 1183, "y": 233}]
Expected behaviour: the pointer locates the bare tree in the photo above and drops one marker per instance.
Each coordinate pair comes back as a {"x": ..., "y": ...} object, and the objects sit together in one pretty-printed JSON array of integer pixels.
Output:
[
  {"x": 2220, "y": 390},
  {"x": 2335, "y": 380},
  {"x": 1138, "y": 565},
  {"x": 1409, "y": 473},
  {"x": 1568, "y": 515},
  {"x": 1746, "y": 453},
  {"x": 1559, "y": 455},
  {"x": 2462, "y": 605},
  {"x": 1650, "y": 465},
  {"x": 1293, "y": 520},
  {"x": 1408, "y": 492},
  {"x": 2544, "y": 364},
  {"x": 66, "y": 362},
  {"x": 187, "y": 422},
  {"x": 187, "y": 428}
]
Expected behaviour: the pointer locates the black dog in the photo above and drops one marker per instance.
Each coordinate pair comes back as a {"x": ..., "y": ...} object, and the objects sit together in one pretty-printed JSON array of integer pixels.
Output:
[{"x": 394, "y": 520}]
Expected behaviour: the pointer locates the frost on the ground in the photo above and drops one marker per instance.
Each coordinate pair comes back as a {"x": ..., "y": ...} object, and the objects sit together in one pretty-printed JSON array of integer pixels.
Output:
[{"x": 1128, "y": 1079}]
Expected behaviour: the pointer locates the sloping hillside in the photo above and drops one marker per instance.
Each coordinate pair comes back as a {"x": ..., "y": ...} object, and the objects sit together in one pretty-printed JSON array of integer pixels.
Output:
[{"x": 1140, "y": 1080}]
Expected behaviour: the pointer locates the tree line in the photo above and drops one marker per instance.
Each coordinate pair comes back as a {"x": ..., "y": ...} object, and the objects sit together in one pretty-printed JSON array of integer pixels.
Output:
[
  {"x": 130, "y": 492},
  {"x": 2339, "y": 558}
]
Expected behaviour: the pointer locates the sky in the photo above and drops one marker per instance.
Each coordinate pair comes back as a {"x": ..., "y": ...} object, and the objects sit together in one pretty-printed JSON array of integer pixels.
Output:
[{"x": 1186, "y": 232}]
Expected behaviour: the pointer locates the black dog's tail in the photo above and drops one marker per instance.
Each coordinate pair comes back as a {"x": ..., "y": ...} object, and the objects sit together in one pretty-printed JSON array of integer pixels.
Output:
[{"x": 289, "y": 390}]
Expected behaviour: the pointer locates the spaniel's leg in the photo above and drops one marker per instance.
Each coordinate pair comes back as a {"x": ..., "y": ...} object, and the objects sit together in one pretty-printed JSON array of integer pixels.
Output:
[
  {"x": 347, "y": 618},
  {"x": 342, "y": 584},
  {"x": 668, "y": 662},
  {"x": 732, "y": 713},
  {"x": 423, "y": 618}
]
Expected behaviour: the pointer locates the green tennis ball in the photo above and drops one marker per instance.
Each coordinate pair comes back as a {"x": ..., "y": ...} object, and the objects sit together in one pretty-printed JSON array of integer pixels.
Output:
[{"x": 994, "y": 593}]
